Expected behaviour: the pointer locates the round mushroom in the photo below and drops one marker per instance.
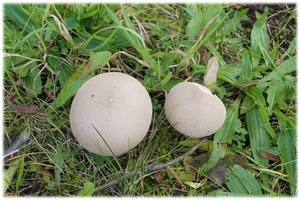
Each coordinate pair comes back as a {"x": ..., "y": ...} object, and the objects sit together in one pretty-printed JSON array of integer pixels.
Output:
[
  {"x": 110, "y": 114},
  {"x": 193, "y": 110}
]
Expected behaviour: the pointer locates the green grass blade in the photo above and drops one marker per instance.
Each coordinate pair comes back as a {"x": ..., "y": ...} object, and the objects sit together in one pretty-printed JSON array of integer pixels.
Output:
[
  {"x": 212, "y": 49},
  {"x": 209, "y": 33},
  {"x": 234, "y": 22},
  {"x": 288, "y": 66},
  {"x": 285, "y": 119},
  {"x": 20, "y": 173},
  {"x": 268, "y": 60},
  {"x": 20, "y": 17},
  {"x": 291, "y": 49},
  {"x": 143, "y": 51}
]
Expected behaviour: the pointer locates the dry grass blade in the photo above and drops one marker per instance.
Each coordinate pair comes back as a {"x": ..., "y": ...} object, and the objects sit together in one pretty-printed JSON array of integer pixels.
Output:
[{"x": 63, "y": 30}]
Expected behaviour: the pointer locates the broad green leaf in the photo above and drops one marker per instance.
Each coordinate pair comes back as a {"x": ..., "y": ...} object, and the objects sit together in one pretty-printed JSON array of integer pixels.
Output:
[
  {"x": 246, "y": 68},
  {"x": 227, "y": 130},
  {"x": 228, "y": 73},
  {"x": 186, "y": 175},
  {"x": 235, "y": 184},
  {"x": 259, "y": 37},
  {"x": 167, "y": 60},
  {"x": 196, "y": 185},
  {"x": 242, "y": 181},
  {"x": 9, "y": 173},
  {"x": 217, "y": 173},
  {"x": 33, "y": 82},
  {"x": 211, "y": 10},
  {"x": 59, "y": 160},
  {"x": 67, "y": 92},
  {"x": 256, "y": 95},
  {"x": 259, "y": 138},
  {"x": 194, "y": 26},
  {"x": 87, "y": 190},
  {"x": 24, "y": 69},
  {"x": 89, "y": 12},
  {"x": 201, "y": 15},
  {"x": 80, "y": 76},
  {"x": 259, "y": 100},
  {"x": 274, "y": 90},
  {"x": 97, "y": 60},
  {"x": 287, "y": 152},
  {"x": 72, "y": 22},
  {"x": 166, "y": 79},
  {"x": 19, "y": 61},
  {"x": 247, "y": 104},
  {"x": 218, "y": 152},
  {"x": 230, "y": 194},
  {"x": 61, "y": 68}
]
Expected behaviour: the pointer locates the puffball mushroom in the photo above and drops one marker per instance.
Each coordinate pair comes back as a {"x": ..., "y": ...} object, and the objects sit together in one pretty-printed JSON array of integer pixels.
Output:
[
  {"x": 193, "y": 110},
  {"x": 110, "y": 114}
]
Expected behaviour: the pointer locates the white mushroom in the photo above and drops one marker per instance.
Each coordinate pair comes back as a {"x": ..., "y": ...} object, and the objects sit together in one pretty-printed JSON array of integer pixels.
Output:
[
  {"x": 193, "y": 110},
  {"x": 111, "y": 112}
]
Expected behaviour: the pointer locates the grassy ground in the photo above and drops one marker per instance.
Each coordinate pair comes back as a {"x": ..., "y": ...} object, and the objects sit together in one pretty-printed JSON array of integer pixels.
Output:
[{"x": 160, "y": 45}]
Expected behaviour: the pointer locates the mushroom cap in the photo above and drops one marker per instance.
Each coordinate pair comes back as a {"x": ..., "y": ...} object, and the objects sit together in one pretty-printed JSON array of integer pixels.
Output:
[
  {"x": 111, "y": 112},
  {"x": 193, "y": 110}
]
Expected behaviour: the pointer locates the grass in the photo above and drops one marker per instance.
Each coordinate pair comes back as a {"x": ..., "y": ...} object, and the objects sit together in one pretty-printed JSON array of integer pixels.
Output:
[{"x": 48, "y": 46}]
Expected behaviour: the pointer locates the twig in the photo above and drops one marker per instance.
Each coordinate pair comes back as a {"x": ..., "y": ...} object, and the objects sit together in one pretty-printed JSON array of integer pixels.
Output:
[
  {"x": 150, "y": 168},
  {"x": 177, "y": 178}
]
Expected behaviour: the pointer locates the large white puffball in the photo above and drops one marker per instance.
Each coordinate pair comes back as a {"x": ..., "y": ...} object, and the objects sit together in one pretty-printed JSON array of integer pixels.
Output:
[{"x": 111, "y": 114}]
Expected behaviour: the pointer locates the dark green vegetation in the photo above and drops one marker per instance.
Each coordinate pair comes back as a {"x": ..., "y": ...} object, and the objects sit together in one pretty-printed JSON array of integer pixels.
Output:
[{"x": 51, "y": 50}]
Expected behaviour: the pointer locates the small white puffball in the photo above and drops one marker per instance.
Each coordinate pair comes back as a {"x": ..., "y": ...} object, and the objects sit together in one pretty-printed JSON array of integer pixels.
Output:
[
  {"x": 110, "y": 114},
  {"x": 193, "y": 110}
]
